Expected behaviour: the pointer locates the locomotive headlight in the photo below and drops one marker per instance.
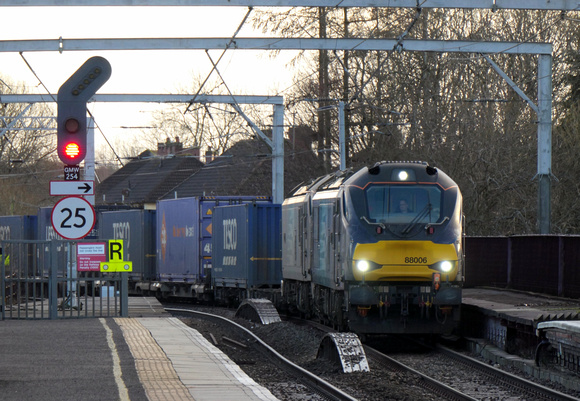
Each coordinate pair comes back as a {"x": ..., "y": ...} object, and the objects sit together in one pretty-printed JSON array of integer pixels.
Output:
[
  {"x": 446, "y": 266},
  {"x": 362, "y": 265},
  {"x": 404, "y": 175}
]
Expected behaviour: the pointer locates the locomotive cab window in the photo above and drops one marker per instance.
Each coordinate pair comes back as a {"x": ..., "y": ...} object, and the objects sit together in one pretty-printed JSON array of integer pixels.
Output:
[{"x": 401, "y": 204}]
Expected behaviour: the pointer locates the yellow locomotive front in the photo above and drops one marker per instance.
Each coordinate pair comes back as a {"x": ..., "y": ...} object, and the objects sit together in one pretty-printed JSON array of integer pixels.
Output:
[{"x": 403, "y": 222}]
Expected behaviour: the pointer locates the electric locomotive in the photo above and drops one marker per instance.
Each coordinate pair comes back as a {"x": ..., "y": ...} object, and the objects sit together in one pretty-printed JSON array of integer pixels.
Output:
[{"x": 376, "y": 251}]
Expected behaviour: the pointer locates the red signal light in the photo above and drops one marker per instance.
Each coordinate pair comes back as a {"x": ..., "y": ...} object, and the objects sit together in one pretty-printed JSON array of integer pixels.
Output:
[
  {"x": 71, "y": 119},
  {"x": 72, "y": 150},
  {"x": 72, "y": 136}
]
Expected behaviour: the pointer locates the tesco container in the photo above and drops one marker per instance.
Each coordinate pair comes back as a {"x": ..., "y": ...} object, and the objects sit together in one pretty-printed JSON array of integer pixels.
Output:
[
  {"x": 18, "y": 227},
  {"x": 137, "y": 230},
  {"x": 247, "y": 246},
  {"x": 184, "y": 235},
  {"x": 45, "y": 229},
  {"x": 18, "y": 257}
]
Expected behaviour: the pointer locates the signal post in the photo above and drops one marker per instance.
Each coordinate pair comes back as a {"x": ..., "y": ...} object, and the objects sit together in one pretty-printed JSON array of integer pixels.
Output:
[
  {"x": 76, "y": 221},
  {"x": 73, "y": 217},
  {"x": 72, "y": 109}
]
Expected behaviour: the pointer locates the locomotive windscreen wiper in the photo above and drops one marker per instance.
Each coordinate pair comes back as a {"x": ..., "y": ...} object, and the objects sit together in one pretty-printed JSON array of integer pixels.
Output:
[
  {"x": 372, "y": 223},
  {"x": 426, "y": 210}
]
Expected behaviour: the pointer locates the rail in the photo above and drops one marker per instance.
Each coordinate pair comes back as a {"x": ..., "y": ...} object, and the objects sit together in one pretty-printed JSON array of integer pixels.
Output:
[{"x": 316, "y": 383}]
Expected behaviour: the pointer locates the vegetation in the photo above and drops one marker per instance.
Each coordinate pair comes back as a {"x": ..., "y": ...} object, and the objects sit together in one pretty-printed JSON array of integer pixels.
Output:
[
  {"x": 452, "y": 110},
  {"x": 27, "y": 155}
]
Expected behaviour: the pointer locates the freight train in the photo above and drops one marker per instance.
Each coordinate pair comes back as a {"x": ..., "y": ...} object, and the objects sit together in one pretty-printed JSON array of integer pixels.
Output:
[
  {"x": 373, "y": 251},
  {"x": 376, "y": 251}
]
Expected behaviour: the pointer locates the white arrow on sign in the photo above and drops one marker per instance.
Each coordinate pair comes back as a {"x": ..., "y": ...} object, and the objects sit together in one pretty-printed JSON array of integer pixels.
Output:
[
  {"x": 73, "y": 217},
  {"x": 60, "y": 188}
]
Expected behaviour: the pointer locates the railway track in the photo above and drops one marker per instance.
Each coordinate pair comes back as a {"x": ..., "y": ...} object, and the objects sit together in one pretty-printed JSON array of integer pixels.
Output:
[
  {"x": 315, "y": 384},
  {"x": 521, "y": 387},
  {"x": 435, "y": 374},
  {"x": 466, "y": 377},
  {"x": 432, "y": 385}
]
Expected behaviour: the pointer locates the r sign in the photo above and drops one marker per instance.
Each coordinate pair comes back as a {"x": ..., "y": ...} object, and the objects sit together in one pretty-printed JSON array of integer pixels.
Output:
[{"x": 115, "y": 255}]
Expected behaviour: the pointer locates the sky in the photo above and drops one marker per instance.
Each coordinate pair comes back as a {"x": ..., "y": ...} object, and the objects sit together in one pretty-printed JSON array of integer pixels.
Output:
[{"x": 245, "y": 72}]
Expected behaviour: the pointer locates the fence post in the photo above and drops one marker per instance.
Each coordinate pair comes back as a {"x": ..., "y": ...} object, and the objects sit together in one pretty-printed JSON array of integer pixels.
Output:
[
  {"x": 124, "y": 294},
  {"x": 561, "y": 255},
  {"x": 52, "y": 281},
  {"x": 509, "y": 263},
  {"x": 2, "y": 283}
]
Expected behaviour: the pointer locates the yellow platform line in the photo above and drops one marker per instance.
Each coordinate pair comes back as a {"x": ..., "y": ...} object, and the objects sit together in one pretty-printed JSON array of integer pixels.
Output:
[{"x": 155, "y": 370}]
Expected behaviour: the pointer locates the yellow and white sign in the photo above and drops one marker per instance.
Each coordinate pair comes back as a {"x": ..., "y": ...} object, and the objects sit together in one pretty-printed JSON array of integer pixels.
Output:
[{"x": 115, "y": 256}]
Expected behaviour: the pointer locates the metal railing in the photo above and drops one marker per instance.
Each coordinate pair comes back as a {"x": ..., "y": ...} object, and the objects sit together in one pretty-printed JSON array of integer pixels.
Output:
[{"x": 39, "y": 280}]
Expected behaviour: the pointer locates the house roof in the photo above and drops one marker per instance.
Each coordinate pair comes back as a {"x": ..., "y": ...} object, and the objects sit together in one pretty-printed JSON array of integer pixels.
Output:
[
  {"x": 145, "y": 180},
  {"x": 229, "y": 173},
  {"x": 244, "y": 169}
]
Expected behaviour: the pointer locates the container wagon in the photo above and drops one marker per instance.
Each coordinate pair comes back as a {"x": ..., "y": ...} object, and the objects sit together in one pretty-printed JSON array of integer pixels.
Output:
[
  {"x": 247, "y": 252},
  {"x": 137, "y": 230},
  {"x": 184, "y": 244}
]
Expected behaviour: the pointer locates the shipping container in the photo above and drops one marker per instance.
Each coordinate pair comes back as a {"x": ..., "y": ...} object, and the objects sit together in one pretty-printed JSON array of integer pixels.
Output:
[
  {"x": 18, "y": 227},
  {"x": 46, "y": 232},
  {"x": 45, "y": 229},
  {"x": 177, "y": 250},
  {"x": 137, "y": 230},
  {"x": 17, "y": 256},
  {"x": 247, "y": 246},
  {"x": 184, "y": 238}
]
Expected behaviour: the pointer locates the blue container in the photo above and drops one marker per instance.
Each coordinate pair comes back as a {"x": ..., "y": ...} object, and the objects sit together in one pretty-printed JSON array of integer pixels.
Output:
[
  {"x": 137, "y": 230},
  {"x": 45, "y": 229},
  {"x": 184, "y": 235},
  {"x": 177, "y": 247},
  {"x": 18, "y": 227},
  {"x": 18, "y": 256},
  {"x": 247, "y": 246},
  {"x": 207, "y": 205}
]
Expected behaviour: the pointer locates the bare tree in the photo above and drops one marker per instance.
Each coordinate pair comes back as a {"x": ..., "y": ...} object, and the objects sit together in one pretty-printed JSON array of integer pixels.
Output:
[
  {"x": 452, "y": 110},
  {"x": 209, "y": 127},
  {"x": 27, "y": 154}
]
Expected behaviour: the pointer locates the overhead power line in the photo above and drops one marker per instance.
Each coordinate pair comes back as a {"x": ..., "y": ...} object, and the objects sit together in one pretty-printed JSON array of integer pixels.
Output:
[{"x": 219, "y": 59}]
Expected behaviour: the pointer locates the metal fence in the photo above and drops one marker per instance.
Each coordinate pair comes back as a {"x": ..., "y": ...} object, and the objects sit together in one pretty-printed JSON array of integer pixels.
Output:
[
  {"x": 543, "y": 263},
  {"x": 39, "y": 280}
]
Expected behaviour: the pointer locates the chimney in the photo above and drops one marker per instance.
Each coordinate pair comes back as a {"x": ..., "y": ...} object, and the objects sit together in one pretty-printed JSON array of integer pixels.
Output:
[
  {"x": 208, "y": 156},
  {"x": 169, "y": 148}
]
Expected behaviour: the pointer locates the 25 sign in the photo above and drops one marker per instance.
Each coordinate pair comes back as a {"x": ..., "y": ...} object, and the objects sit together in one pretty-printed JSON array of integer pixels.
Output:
[{"x": 73, "y": 217}]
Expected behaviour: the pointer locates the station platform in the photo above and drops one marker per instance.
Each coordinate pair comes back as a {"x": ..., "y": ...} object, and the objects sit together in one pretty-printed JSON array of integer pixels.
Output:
[
  {"x": 521, "y": 307},
  {"x": 147, "y": 356},
  {"x": 504, "y": 326}
]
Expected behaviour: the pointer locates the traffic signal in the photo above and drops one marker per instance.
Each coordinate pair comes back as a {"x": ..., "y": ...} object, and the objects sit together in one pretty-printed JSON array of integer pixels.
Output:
[
  {"x": 72, "y": 134},
  {"x": 72, "y": 108}
]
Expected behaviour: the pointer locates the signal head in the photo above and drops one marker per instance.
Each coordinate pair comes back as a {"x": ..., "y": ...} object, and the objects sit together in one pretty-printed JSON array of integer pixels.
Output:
[
  {"x": 72, "y": 108},
  {"x": 72, "y": 133}
]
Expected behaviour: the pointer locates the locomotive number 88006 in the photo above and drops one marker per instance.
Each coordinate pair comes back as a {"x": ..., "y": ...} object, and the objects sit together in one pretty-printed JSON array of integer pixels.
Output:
[{"x": 376, "y": 251}]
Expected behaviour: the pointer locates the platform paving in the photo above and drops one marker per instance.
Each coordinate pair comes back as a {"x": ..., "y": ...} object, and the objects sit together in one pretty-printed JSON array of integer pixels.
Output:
[
  {"x": 146, "y": 356},
  {"x": 493, "y": 311},
  {"x": 520, "y": 307}
]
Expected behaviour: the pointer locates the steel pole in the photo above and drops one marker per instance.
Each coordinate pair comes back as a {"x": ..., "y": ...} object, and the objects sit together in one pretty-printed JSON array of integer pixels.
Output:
[{"x": 544, "y": 142}]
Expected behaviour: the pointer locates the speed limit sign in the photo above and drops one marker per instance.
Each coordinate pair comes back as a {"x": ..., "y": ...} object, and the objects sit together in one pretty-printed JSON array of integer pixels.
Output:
[{"x": 73, "y": 217}]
